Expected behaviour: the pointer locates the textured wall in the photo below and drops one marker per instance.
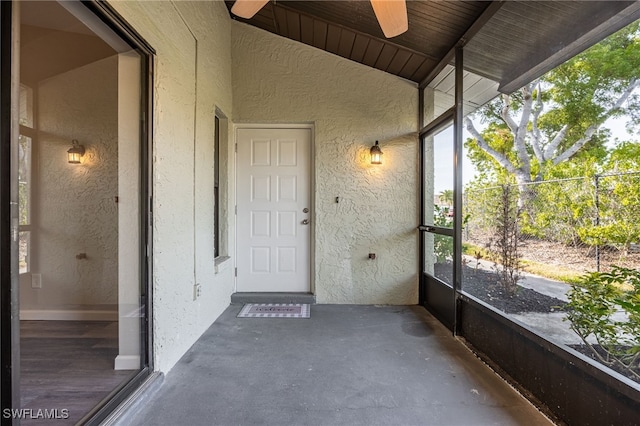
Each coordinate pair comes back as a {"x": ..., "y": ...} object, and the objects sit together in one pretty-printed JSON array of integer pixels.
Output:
[
  {"x": 192, "y": 77},
  {"x": 351, "y": 105},
  {"x": 76, "y": 208}
]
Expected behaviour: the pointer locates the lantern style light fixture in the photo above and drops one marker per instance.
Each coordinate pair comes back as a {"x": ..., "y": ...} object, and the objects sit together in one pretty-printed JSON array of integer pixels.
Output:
[
  {"x": 376, "y": 154},
  {"x": 75, "y": 152}
]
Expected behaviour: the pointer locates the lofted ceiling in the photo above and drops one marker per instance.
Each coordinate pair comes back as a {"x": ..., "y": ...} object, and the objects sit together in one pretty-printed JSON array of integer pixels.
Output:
[
  {"x": 508, "y": 42},
  {"x": 47, "y": 30}
]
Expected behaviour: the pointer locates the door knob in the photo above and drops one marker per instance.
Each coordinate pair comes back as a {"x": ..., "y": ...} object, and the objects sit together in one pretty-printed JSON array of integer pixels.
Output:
[
  {"x": 305, "y": 210},
  {"x": 305, "y": 222}
]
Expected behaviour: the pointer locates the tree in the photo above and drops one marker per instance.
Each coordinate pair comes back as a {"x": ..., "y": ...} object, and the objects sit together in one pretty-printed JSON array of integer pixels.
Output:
[
  {"x": 446, "y": 197},
  {"x": 560, "y": 115},
  {"x": 618, "y": 191}
]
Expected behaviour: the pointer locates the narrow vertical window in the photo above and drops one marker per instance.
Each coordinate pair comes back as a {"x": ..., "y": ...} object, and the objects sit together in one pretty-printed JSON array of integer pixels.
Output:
[
  {"x": 26, "y": 137},
  {"x": 216, "y": 188}
]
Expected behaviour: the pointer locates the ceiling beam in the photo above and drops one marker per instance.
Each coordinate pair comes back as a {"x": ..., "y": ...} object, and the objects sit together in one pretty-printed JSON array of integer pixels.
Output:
[{"x": 477, "y": 25}]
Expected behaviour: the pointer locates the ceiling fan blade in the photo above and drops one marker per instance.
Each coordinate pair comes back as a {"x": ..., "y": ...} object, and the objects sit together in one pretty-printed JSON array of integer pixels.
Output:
[
  {"x": 247, "y": 8},
  {"x": 392, "y": 16}
]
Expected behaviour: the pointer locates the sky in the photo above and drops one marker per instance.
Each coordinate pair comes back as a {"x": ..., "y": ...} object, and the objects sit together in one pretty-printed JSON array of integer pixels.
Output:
[{"x": 443, "y": 161}]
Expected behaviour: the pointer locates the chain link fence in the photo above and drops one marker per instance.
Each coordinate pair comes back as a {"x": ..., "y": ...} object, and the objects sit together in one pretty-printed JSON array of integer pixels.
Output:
[{"x": 580, "y": 224}]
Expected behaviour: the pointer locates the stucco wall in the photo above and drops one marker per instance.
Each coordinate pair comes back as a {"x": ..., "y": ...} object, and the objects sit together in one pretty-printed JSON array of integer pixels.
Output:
[
  {"x": 192, "y": 77},
  {"x": 75, "y": 203},
  {"x": 276, "y": 80}
]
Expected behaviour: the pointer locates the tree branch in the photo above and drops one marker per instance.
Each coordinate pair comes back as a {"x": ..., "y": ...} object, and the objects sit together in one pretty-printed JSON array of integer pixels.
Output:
[
  {"x": 505, "y": 113},
  {"x": 573, "y": 149},
  {"x": 499, "y": 157},
  {"x": 520, "y": 136},
  {"x": 535, "y": 131},
  {"x": 635, "y": 83},
  {"x": 555, "y": 143}
]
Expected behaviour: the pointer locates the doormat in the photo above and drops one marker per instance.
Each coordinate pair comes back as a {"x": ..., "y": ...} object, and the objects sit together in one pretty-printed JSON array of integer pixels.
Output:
[{"x": 275, "y": 310}]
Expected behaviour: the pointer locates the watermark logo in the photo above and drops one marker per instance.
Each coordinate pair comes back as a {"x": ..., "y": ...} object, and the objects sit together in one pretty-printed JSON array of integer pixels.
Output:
[{"x": 36, "y": 414}]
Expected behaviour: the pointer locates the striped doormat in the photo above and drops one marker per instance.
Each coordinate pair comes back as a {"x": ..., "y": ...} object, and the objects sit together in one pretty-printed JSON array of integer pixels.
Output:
[{"x": 275, "y": 310}]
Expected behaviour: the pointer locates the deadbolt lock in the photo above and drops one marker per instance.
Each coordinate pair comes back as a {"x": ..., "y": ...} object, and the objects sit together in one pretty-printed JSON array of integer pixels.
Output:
[{"x": 305, "y": 210}]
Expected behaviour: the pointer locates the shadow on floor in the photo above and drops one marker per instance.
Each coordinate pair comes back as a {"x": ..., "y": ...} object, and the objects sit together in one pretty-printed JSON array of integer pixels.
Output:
[{"x": 347, "y": 364}]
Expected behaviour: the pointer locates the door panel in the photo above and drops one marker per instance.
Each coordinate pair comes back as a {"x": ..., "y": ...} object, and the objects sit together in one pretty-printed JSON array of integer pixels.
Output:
[
  {"x": 273, "y": 197},
  {"x": 438, "y": 223}
]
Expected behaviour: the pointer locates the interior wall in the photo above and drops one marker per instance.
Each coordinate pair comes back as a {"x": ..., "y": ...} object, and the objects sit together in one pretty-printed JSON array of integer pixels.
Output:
[
  {"x": 75, "y": 236},
  {"x": 276, "y": 80},
  {"x": 192, "y": 77}
]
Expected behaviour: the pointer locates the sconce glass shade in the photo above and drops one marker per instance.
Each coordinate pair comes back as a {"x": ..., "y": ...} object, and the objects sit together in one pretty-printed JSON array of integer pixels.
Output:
[
  {"x": 376, "y": 154},
  {"x": 75, "y": 152}
]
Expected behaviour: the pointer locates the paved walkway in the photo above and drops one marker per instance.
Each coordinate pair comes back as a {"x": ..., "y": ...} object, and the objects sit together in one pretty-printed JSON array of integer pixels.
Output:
[
  {"x": 550, "y": 325},
  {"x": 346, "y": 365}
]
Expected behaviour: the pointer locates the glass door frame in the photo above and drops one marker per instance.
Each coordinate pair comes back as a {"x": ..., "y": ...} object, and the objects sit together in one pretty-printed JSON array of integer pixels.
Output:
[
  {"x": 9, "y": 308},
  {"x": 9, "y": 230},
  {"x": 438, "y": 297}
]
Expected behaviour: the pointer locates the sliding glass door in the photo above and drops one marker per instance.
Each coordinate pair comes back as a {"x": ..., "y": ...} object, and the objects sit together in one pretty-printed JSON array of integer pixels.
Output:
[{"x": 76, "y": 174}]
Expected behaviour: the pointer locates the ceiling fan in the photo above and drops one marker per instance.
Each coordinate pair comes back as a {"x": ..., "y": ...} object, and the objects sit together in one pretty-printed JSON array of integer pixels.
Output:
[{"x": 391, "y": 14}]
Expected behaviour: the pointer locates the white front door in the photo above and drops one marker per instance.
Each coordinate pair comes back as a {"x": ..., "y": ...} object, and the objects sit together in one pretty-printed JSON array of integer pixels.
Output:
[{"x": 274, "y": 210}]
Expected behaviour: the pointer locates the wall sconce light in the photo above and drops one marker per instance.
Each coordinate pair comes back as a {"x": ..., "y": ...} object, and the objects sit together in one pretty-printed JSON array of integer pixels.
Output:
[
  {"x": 376, "y": 154},
  {"x": 75, "y": 152}
]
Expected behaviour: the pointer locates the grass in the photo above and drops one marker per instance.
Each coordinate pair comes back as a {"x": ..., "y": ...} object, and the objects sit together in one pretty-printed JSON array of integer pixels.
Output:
[{"x": 553, "y": 272}]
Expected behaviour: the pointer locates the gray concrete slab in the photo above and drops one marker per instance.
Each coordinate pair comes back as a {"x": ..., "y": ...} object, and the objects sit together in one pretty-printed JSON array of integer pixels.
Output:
[
  {"x": 551, "y": 288},
  {"x": 551, "y": 326},
  {"x": 346, "y": 365}
]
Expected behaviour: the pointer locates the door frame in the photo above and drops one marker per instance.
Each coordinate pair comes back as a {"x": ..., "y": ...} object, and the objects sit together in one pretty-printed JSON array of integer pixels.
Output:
[
  {"x": 439, "y": 298},
  {"x": 9, "y": 302},
  {"x": 436, "y": 295},
  {"x": 312, "y": 191}
]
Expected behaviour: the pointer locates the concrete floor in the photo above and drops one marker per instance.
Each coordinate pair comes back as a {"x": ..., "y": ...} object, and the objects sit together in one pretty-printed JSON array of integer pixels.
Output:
[{"x": 346, "y": 365}]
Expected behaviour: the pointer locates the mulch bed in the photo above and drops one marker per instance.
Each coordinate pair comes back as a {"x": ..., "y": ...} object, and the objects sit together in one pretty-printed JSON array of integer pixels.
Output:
[{"x": 485, "y": 286}]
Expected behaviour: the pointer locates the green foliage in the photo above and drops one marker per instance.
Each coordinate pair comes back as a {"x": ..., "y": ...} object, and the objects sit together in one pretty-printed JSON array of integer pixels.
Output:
[
  {"x": 592, "y": 79},
  {"x": 555, "y": 210},
  {"x": 442, "y": 244},
  {"x": 593, "y": 301},
  {"x": 579, "y": 94},
  {"x": 619, "y": 234},
  {"x": 624, "y": 158},
  {"x": 619, "y": 198},
  {"x": 446, "y": 196},
  {"x": 565, "y": 208},
  {"x": 499, "y": 137}
]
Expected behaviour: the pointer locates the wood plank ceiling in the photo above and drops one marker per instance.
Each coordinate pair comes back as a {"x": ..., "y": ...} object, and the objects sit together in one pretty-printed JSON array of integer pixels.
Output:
[
  {"x": 350, "y": 29},
  {"x": 508, "y": 42}
]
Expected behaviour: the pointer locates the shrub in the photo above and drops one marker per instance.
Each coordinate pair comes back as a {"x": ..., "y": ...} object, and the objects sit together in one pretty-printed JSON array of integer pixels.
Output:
[
  {"x": 504, "y": 241},
  {"x": 593, "y": 301}
]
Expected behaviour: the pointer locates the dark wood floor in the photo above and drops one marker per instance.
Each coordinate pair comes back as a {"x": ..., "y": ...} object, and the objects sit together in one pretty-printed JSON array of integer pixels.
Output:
[{"x": 68, "y": 365}]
